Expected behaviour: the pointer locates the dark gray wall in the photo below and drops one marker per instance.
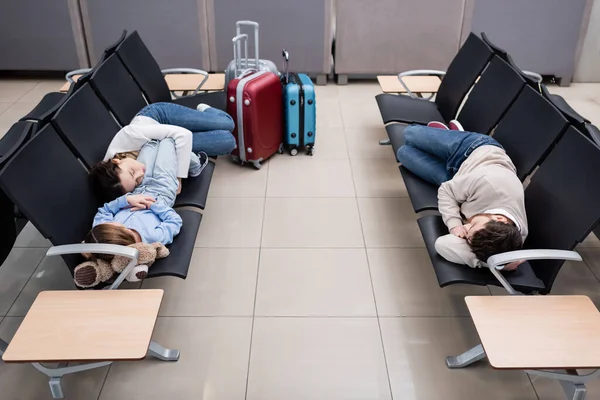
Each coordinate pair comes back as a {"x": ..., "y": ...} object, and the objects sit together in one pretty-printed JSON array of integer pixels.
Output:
[
  {"x": 298, "y": 26},
  {"x": 170, "y": 28},
  {"x": 36, "y": 35},
  {"x": 541, "y": 35}
]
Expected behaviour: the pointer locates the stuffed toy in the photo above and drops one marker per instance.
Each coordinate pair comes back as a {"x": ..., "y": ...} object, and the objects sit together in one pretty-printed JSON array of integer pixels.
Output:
[{"x": 91, "y": 273}]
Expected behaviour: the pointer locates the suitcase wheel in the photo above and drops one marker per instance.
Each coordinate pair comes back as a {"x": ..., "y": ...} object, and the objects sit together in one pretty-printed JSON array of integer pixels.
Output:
[
  {"x": 256, "y": 164},
  {"x": 310, "y": 151},
  {"x": 294, "y": 151},
  {"x": 236, "y": 160},
  {"x": 280, "y": 149}
]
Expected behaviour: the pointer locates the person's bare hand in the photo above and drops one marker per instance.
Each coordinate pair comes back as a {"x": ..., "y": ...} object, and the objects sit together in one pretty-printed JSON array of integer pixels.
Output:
[
  {"x": 140, "y": 201},
  {"x": 178, "y": 187},
  {"x": 513, "y": 265},
  {"x": 460, "y": 231}
]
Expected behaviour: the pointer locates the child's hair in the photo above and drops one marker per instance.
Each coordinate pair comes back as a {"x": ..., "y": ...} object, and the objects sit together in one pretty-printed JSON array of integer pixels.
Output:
[
  {"x": 109, "y": 234},
  {"x": 496, "y": 237},
  {"x": 104, "y": 177}
]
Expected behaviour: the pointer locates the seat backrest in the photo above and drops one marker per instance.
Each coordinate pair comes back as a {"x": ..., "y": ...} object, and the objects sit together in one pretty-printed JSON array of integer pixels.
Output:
[
  {"x": 563, "y": 199},
  {"x": 50, "y": 187},
  {"x": 462, "y": 72},
  {"x": 492, "y": 95},
  {"x": 17, "y": 135},
  {"x": 143, "y": 68},
  {"x": 529, "y": 129},
  {"x": 117, "y": 89},
  {"x": 85, "y": 125}
]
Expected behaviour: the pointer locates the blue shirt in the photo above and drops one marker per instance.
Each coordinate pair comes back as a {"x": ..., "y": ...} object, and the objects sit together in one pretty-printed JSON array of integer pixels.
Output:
[{"x": 158, "y": 224}]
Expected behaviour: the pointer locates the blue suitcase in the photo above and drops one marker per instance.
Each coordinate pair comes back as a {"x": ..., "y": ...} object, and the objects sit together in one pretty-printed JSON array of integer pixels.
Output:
[{"x": 300, "y": 116}]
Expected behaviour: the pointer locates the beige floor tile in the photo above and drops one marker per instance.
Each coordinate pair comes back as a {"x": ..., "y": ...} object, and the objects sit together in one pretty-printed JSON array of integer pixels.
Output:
[
  {"x": 389, "y": 222},
  {"x": 327, "y": 92},
  {"x": 591, "y": 256},
  {"x": 213, "y": 363},
  {"x": 229, "y": 222},
  {"x": 15, "y": 112},
  {"x": 588, "y": 109},
  {"x": 41, "y": 89},
  {"x": 377, "y": 177},
  {"x": 51, "y": 274},
  {"x": 307, "y": 177},
  {"x": 220, "y": 282},
  {"x": 23, "y": 382},
  {"x": 548, "y": 389},
  {"x": 314, "y": 282},
  {"x": 364, "y": 143},
  {"x": 14, "y": 89},
  {"x": 330, "y": 144},
  {"x": 576, "y": 91},
  {"x": 4, "y": 106},
  {"x": 317, "y": 358},
  {"x": 590, "y": 241},
  {"x": 416, "y": 349},
  {"x": 359, "y": 91},
  {"x": 312, "y": 223},
  {"x": 232, "y": 180},
  {"x": 405, "y": 285},
  {"x": 31, "y": 237},
  {"x": 15, "y": 272},
  {"x": 363, "y": 114},
  {"x": 3, "y": 130},
  {"x": 329, "y": 114}
]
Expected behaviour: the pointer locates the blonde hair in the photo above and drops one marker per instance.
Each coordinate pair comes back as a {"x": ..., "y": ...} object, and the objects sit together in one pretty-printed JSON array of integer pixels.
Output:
[
  {"x": 109, "y": 234},
  {"x": 127, "y": 154}
]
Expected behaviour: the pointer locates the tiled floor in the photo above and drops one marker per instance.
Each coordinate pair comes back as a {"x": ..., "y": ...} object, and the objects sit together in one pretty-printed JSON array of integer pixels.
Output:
[{"x": 310, "y": 281}]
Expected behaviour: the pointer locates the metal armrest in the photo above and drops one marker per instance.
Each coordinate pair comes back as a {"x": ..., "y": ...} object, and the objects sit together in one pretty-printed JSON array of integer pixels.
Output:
[
  {"x": 187, "y": 71},
  {"x": 533, "y": 75},
  {"x": 101, "y": 249},
  {"x": 497, "y": 262},
  {"x": 419, "y": 72},
  {"x": 69, "y": 76}
]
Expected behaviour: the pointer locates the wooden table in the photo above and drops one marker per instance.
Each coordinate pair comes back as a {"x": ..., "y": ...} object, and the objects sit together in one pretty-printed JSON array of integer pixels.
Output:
[
  {"x": 537, "y": 332},
  {"x": 416, "y": 84},
  {"x": 181, "y": 82},
  {"x": 92, "y": 325}
]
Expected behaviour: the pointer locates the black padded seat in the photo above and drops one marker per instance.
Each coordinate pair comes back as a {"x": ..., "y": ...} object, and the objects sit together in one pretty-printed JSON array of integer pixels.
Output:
[
  {"x": 396, "y": 134},
  {"x": 177, "y": 263},
  {"x": 194, "y": 192},
  {"x": 593, "y": 133},
  {"x": 448, "y": 273},
  {"x": 44, "y": 108},
  {"x": 217, "y": 100},
  {"x": 462, "y": 72},
  {"x": 423, "y": 195}
]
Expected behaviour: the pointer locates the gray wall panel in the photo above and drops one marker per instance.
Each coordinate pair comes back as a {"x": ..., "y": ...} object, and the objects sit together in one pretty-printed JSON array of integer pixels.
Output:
[
  {"x": 37, "y": 35},
  {"x": 298, "y": 26},
  {"x": 171, "y": 29}
]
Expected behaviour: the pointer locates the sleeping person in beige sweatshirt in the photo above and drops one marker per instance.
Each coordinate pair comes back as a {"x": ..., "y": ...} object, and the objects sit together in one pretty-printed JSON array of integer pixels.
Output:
[{"x": 480, "y": 197}]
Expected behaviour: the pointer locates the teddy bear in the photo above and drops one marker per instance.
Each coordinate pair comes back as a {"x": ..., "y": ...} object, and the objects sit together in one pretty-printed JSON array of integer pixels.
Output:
[{"x": 92, "y": 272}]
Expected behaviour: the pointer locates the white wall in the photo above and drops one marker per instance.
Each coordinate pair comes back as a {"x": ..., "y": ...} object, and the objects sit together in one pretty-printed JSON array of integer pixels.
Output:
[{"x": 588, "y": 66}]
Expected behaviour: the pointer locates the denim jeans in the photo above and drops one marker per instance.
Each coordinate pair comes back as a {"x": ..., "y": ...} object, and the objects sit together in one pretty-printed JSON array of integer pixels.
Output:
[
  {"x": 211, "y": 128},
  {"x": 436, "y": 154},
  {"x": 160, "y": 179}
]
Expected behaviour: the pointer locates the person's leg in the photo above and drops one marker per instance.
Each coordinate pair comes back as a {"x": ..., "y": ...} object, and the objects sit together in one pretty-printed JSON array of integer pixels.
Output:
[
  {"x": 196, "y": 121},
  {"x": 213, "y": 143},
  {"x": 422, "y": 164},
  {"x": 163, "y": 183}
]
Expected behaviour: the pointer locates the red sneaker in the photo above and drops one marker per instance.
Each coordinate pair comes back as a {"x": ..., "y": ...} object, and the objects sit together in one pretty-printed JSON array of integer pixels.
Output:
[
  {"x": 438, "y": 125},
  {"x": 456, "y": 126}
]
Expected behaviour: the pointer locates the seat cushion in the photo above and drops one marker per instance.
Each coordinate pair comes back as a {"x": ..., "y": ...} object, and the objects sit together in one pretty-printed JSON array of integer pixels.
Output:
[
  {"x": 178, "y": 262},
  {"x": 448, "y": 273},
  {"x": 399, "y": 108},
  {"x": 195, "y": 190},
  {"x": 423, "y": 195},
  {"x": 396, "y": 134},
  {"x": 217, "y": 100},
  {"x": 45, "y": 108}
]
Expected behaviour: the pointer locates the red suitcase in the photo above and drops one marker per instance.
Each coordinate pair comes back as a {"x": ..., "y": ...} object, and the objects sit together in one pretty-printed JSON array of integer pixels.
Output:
[{"x": 255, "y": 102}]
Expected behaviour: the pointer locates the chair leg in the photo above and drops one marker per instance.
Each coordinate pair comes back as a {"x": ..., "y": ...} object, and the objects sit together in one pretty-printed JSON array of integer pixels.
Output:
[
  {"x": 342, "y": 79},
  {"x": 56, "y": 388},
  {"x": 3, "y": 347},
  {"x": 467, "y": 358},
  {"x": 321, "y": 79},
  {"x": 157, "y": 351},
  {"x": 574, "y": 391}
]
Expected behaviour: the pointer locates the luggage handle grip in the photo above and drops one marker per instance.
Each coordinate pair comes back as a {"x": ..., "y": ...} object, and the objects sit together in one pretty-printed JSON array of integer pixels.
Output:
[
  {"x": 236, "y": 51},
  {"x": 238, "y": 30},
  {"x": 286, "y": 59}
]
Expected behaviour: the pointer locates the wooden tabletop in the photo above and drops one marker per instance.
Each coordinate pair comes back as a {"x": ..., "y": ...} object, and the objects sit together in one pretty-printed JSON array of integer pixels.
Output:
[
  {"x": 180, "y": 82},
  {"x": 91, "y": 325},
  {"x": 417, "y": 84},
  {"x": 537, "y": 332}
]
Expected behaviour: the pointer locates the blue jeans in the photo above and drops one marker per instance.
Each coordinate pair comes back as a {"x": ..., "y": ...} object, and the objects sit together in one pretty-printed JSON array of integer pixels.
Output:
[
  {"x": 160, "y": 179},
  {"x": 211, "y": 128},
  {"x": 436, "y": 154}
]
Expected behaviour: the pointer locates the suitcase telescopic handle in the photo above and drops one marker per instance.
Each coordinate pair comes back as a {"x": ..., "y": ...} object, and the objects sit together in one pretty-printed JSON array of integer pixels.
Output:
[
  {"x": 286, "y": 63},
  {"x": 254, "y": 25},
  {"x": 237, "y": 57}
]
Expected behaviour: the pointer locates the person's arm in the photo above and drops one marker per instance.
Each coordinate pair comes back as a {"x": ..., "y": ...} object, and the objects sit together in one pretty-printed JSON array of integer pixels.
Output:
[
  {"x": 170, "y": 225},
  {"x": 456, "y": 250},
  {"x": 107, "y": 212},
  {"x": 451, "y": 195}
]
